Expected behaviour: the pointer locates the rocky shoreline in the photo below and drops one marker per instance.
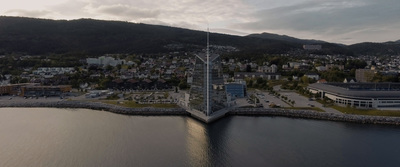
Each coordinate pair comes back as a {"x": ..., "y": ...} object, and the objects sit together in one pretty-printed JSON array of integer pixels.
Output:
[
  {"x": 100, "y": 106},
  {"x": 308, "y": 114}
]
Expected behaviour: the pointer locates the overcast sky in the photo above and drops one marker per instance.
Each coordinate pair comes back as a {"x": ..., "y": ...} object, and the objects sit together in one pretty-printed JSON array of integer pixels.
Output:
[{"x": 341, "y": 21}]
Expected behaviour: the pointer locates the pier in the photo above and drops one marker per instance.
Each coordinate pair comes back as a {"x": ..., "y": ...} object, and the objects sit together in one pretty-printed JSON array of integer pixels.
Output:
[{"x": 208, "y": 119}]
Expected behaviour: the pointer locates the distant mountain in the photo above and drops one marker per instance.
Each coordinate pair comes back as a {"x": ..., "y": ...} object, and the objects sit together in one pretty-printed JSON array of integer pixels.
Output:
[
  {"x": 369, "y": 48},
  {"x": 327, "y": 48},
  {"x": 96, "y": 37},
  {"x": 265, "y": 35}
]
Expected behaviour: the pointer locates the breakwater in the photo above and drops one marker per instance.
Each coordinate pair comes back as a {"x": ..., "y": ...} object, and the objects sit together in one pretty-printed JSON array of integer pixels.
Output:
[
  {"x": 100, "y": 106},
  {"x": 309, "y": 114}
]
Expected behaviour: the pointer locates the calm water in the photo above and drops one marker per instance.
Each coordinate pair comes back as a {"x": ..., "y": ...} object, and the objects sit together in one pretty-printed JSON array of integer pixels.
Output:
[{"x": 63, "y": 137}]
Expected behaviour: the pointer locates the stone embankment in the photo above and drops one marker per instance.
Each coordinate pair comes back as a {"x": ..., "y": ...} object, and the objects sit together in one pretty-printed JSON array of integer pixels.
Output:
[
  {"x": 100, "y": 106},
  {"x": 316, "y": 115},
  {"x": 237, "y": 111}
]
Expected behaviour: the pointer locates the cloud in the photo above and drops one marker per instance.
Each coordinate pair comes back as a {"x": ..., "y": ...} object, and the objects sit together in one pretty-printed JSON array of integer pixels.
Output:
[
  {"x": 123, "y": 11},
  {"x": 332, "y": 20},
  {"x": 29, "y": 13},
  {"x": 327, "y": 18}
]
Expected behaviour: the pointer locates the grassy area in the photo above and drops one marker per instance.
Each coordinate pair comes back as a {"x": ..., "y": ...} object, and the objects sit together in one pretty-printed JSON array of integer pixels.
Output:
[
  {"x": 327, "y": 104},
  {"x": 306, "y": 108},
  {"x": 133, "y": 104},
  {"x": 273, "y": 83},
  {"x": 373, "y": 112}
]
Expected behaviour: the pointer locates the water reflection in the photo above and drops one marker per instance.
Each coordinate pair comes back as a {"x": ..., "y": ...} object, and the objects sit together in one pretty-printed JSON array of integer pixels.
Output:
[
  {"x": 45, "y": 137},
  {"x": 206, "y": 144},
  {"x": 198, "y": 143}
]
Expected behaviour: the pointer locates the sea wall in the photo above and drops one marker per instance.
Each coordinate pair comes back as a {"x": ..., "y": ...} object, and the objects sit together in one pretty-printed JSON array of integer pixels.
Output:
[
  {"x": 316, "y": 115},
  {"x": 100, "y": 106},
  {"x": 309, "y": 114}
]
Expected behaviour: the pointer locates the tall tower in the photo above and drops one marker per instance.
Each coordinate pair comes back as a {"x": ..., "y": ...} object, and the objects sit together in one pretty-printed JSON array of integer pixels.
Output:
[
  {"x": 207, "y": 92},
  {"x": 208, "y": 73}
]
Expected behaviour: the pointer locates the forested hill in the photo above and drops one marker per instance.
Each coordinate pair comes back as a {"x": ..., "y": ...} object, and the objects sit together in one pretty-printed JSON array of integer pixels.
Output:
[
  {"x": 285, "y": 38},
  {"x": 95, "y": 37},
  {"x": 369, "y": 48}
]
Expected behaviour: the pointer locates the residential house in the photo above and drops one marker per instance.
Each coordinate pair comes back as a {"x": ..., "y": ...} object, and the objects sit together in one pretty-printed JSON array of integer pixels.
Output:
[{"x": 312, "y": 75}]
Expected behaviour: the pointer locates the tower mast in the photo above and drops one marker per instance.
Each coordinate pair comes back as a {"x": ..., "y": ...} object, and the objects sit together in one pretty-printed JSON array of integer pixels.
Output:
[{"x": 208, "y": 72}]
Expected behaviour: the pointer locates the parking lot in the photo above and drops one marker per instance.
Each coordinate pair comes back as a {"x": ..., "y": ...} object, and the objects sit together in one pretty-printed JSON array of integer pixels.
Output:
[{"x": 301, "y": 101}]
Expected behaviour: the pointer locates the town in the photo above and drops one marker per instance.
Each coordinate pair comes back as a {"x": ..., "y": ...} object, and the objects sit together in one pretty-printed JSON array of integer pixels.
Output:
[{"x": 153, "y": 79}]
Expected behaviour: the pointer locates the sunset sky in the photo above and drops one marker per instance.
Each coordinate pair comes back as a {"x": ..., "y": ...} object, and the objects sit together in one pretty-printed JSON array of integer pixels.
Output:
[{"x": 340, "y": 21}]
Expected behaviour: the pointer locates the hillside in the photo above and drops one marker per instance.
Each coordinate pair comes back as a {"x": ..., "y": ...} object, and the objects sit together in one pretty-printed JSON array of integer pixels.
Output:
[
  {"x": 265, "y": 35},
  {"x": 327, "y": 48},
  {"x": 369, "y": 48},
  {"x": 95, "y": 37}
]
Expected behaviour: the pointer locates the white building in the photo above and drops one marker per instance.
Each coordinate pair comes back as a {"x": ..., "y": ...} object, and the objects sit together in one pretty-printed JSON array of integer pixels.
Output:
[
  {"x": 51, "y": 71},
  {"x": 321, "y": 68},
  {"x": 104, "y": 61},
  {"x": 312, "y": 75},
  {"x": 383, "y": 96},
  {"x": 268, "y": 69}
]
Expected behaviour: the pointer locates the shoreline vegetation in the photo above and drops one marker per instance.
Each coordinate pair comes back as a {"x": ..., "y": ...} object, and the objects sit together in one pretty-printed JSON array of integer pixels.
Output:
[{"x": 293, "y": 113}]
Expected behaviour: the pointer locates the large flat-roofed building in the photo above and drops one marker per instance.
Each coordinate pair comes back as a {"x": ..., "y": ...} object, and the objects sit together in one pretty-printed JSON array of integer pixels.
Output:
[
  {"x": 37, "y": 91},
  {"x": 383, "y": 96},
  {"x": 30, "y": 90},
  {"x": 12, "y": 89}
]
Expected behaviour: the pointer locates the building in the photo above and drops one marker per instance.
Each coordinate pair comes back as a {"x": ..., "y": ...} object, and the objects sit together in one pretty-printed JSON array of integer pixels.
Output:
[
  {"x": 105, "y": 61},
  {"x": 312, "y": 75},
  {"x": 349, "y": 80},
  {"x": 364, "y": 75},
  {"x": 12, "y": 89},
  {"x": 207, "y": 75},
  {"x": 321, "y": 68},
  {"x": 34, "y": 90},
  {"x": 322, "y": 81},
  {"x": 5, "y": 89},
  {"x": 38, "y": 91},
  {"x": 236, "y": 89},
  {"x": 268, "y": 69},
  {"x": 383, "y": 96},
  {"x": 269, "y": 76}
]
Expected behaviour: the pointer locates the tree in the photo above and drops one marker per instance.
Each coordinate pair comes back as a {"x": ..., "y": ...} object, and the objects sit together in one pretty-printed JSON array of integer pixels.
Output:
[
  {"x": 305, "y": 80},
  {"x": 248, "y": 68},
  {"x": 183, "y": 84}
]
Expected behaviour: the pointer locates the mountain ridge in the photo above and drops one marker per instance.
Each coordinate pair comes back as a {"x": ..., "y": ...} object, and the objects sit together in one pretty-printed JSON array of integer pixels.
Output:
[
  {"x": 97, "y": 37},
  {"x": 267, "y": 35}
]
